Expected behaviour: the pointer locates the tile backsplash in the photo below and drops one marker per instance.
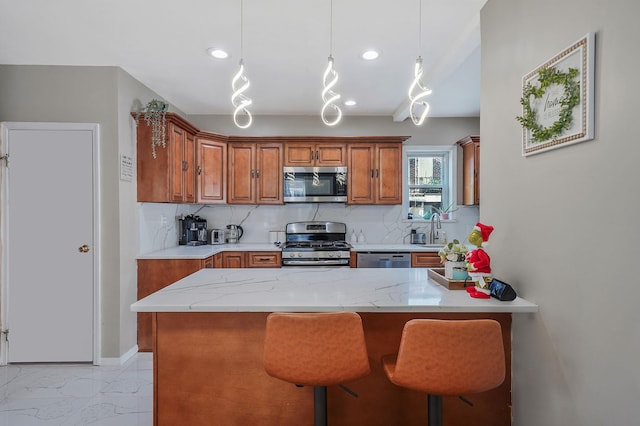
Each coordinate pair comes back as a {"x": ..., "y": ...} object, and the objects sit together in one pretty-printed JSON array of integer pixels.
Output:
[{"x": 379, "y": 224}]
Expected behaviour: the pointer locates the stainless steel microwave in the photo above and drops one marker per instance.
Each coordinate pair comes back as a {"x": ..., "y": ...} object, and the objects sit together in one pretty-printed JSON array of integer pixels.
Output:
[{"x": 315, "y": 184}]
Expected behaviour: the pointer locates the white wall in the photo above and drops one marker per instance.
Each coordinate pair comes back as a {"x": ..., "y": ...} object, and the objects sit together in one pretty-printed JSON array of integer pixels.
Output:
[
  {"x": 565, "y": 229},
  {"x": 379, "y": 224}
]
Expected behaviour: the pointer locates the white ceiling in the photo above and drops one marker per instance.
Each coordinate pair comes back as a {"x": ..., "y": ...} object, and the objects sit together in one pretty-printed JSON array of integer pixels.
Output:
[{"x": 163, "y": 44}]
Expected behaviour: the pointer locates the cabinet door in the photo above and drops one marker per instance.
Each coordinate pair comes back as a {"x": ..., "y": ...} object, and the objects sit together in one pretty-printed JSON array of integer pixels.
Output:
[
  {"x": 211, "y": 171},
  {"x": 189, "y": 170},
  {"x": 425, "y": 260},
  {"x": 388, "y": 174},
  {"x": 241, "y": 172},
  {"x": 476, "y": 174},
  {"x": 264, "y": 259},
  {"x": 299, "y": 154},
  {"x": 268, "y": 174},
  {"x": 208, "y": 262},
  {"x": 360, "y": 174},
  {"x": 308, "y": 154},
  {"x": 330, "y": 155},
  {"x": 233, "y": 259},
  {"x": 470, "y": 178},
  {"x": 176, "y": 162}
]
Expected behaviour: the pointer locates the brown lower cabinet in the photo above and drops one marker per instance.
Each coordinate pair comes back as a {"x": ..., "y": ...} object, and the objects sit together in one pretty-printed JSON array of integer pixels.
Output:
[
  {"x": 420, "y": 259},
  {"x": 208, "y": 367},
  {"x": 425, "y": 259},
  {"x": 248, "y": 259},
  {"x": 156, "y": 274}
]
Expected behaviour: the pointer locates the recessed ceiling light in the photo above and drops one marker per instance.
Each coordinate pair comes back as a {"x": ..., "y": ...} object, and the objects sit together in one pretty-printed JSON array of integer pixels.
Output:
[
  {"x": 350, "y": 102},
  {"x": 218, "y": 53},
  {"x": 370, "y": 55}
]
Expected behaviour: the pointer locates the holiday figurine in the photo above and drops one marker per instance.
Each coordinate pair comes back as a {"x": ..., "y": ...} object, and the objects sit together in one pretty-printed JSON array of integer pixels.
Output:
[{"x": 478, "y": 261}]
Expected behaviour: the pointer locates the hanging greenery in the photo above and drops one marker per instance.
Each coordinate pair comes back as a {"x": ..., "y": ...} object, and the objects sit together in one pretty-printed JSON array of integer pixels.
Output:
[
  {"x": 154, "y": 114},
  {"x": 571, "y": 98}
]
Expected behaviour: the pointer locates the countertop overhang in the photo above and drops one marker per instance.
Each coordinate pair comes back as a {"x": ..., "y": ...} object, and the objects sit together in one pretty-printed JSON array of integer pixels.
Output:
[{"x": 304, "y": 289}]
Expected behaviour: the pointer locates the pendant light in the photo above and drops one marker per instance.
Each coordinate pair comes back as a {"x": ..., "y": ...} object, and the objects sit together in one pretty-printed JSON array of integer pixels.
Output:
[
  {"x": 240, "y": 83},
  {"x": 419, "y": 108},
  {"x": 329, "y": 80}
]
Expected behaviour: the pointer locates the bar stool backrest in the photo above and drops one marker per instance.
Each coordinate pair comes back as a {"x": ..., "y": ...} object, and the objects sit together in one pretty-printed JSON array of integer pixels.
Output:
[
  {"x": 449, "y": 357},
  {"x": 315, "y": 349}
]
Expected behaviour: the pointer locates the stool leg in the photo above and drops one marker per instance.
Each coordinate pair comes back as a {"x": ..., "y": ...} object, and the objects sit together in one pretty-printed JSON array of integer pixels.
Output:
[
  {"x": 320, "y": 405},
  {"x": 434, "y": 405}
]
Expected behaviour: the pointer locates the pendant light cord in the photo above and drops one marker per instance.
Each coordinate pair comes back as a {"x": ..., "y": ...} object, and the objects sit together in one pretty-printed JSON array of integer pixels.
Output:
[
  {"x": 420, "y": 27},
  {"x": 241, "y": 29},
  {"x": 331, "y": 29}
]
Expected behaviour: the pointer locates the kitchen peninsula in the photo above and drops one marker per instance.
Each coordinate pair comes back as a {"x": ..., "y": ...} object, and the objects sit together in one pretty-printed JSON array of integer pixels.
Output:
[{"x": 208, "y": 337}]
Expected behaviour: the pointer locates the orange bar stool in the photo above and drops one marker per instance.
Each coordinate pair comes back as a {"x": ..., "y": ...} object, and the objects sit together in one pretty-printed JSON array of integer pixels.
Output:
[
  {"x": 443, "y": 357},
  {"x": 316, "y": 349}
]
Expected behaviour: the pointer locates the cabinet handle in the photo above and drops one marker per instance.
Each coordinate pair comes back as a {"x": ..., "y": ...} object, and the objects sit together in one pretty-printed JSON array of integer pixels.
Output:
[
  {"x": 317, "y": 155},
  {"x": 377, "y": 173},
  {"x": 199, "y": 170},
  {"x": 257, "y": 173},
  {"x": 185, "y": 166},
  {"x": 372, "y": 173},
  {"x": 253, "y": 173}
]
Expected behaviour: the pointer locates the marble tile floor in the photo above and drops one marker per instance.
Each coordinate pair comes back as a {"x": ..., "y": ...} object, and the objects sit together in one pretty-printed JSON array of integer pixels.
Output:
[{"x": 77, "y": 394}]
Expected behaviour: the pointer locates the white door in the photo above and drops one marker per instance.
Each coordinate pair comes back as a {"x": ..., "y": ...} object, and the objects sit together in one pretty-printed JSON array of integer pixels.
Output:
[{"x": 49, "y": 241}]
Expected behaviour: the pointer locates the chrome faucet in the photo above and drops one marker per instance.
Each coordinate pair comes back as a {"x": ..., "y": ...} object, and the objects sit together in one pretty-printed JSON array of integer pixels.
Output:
[{"x": 435, "y": 225}]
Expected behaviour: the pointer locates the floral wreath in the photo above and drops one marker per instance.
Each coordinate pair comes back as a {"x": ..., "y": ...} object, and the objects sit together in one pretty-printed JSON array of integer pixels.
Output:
[{"x": 569, "y": 100}]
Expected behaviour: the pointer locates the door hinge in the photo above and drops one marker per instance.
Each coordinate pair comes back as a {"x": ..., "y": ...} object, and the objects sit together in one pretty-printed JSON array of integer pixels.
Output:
[
  {"x": 6, "y": 334},
  {"x": 6, "y": 159}
]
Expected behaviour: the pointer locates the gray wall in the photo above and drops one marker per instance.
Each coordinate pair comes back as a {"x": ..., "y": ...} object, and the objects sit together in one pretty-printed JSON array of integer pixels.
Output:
[
  {"x": 564, "y": 220},
  {"x": 103, "y": 95},
  {"x": 85, "y": 95}
]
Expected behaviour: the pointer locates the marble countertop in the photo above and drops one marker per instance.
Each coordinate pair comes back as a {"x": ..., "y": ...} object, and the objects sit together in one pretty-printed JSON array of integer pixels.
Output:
[
  {"x": 204, "y": 251},
  {"x": 300, "y": 289}
]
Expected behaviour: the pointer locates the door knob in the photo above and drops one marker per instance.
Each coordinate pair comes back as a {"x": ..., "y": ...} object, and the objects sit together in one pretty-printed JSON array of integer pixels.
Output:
[{"x": 83, "y": 248}]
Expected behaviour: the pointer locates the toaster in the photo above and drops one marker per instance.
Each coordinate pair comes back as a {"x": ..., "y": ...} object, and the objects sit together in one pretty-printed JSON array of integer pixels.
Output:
[{"x": 217, "y": 236}]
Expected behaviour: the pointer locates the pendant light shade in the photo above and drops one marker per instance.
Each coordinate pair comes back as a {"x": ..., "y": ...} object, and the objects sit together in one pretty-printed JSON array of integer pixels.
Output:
[
  {"x": 419, "y": 107},
  {"x": 330, "y": 98},
  {"x": 240, "y": 84}
]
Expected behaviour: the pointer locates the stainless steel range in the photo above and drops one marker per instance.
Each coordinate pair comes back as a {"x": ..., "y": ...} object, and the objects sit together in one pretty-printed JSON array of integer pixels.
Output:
[{"x": 316, "y": 244}]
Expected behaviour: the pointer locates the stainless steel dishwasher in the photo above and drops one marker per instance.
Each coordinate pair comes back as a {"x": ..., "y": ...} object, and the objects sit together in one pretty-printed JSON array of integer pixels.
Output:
[{"x": 376, "y": 259}]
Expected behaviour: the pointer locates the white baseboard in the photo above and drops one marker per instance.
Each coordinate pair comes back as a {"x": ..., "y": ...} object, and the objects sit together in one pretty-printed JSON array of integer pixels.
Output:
[{"x": 120, "y": 360}]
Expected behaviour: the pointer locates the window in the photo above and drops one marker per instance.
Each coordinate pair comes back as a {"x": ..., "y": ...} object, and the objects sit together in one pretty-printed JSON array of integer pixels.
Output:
[{"x": 428, "y": 184}]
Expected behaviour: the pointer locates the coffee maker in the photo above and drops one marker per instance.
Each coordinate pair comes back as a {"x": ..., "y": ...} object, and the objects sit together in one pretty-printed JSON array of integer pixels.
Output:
[{"x": 193, "y": 231}]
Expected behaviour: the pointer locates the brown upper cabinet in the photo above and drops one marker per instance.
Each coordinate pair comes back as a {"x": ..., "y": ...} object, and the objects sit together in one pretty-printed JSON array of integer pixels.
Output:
[
  {"x": 255, "y": 173},
  {"x": 470, "y": 170},
  {"x": 310, "y": 154},
  {"x": 375, "y": 173},
  {"x": 211, "y": 169},
  {"x": 170, "y": 177}
]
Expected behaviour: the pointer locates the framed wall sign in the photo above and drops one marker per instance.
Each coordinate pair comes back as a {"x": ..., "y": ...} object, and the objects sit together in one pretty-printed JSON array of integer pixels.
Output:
[{"x": 557, "y": 99}]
